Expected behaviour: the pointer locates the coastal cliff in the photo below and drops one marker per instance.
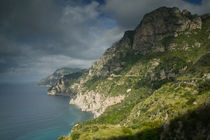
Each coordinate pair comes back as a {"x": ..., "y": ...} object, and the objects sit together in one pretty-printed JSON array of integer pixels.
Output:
[
  {"x": 151, "y": 84},
  {"x": 63, "y": 85},
  {"x": 108, "y": 77},
  {"x": 58, "y": 74}
]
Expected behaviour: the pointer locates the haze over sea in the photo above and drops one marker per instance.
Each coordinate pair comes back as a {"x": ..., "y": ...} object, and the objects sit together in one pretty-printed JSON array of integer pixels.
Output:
[{"x": 27, "y": 112}]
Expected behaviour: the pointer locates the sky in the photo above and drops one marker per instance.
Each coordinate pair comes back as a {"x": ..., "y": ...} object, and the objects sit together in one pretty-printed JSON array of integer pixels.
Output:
[{"x": 39, "y": 36}]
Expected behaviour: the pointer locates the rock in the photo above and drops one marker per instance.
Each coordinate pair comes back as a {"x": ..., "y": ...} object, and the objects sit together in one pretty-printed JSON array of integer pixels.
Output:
[
  {"x": 175, "y": 34},
  {"x": 138, "y": 113},
  {"x": 197, "y": 44},
  {"x": 161, "y": 23},
  {"x": 63, "y": 85},
  {"x": 128, "y": 90},
  {"x": 166, "y": 117},
  {"x": 95, "y": 102},
  {"x": 162, "y": 75},
  {"x": 172, "y": 46}
]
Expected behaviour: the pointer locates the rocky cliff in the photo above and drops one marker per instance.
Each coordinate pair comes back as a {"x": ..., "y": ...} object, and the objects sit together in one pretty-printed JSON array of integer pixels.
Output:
[
  {"x": 160, "y": 24},
  {"x": 152, "y": 84},
  {"x": 63, "y": 85},
  {"x": 58, "y": 74}
]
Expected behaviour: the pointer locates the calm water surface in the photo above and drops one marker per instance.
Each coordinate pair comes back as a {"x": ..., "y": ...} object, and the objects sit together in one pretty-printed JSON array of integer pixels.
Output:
[{"x": 27, "y": 112}]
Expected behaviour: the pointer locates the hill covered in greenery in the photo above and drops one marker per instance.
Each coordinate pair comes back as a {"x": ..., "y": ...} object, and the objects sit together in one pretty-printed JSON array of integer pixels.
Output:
[
  {"x": 58, "y": 74},
  {"x": 152, "y": 84}
]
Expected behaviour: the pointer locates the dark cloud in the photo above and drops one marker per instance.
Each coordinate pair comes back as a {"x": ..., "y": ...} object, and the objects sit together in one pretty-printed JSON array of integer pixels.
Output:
[
  {"x": 23, "y": 19},
  {"x": 39, "y": 36},
  {"x": 128, "y": 13}
]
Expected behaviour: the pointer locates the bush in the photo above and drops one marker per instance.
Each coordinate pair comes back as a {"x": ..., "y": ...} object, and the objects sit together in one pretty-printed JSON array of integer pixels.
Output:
[
  {"x": 75, "y": 135},
  {"x": 126, "y": 130},
  {"x": 61, "y": 138},
  {"x": 95, "y": 129},
  {"x": 190, "y": 101},
  {"x": 204, "y": 86}
]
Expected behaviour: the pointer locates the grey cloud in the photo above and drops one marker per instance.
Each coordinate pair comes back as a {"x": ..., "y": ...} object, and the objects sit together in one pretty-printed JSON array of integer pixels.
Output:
[
  {"x": 47, "y": 26},
  {"x": 38, "y": 37},
  {"x": 129, "y": 13},
  {"x": 24, "y": 19}
]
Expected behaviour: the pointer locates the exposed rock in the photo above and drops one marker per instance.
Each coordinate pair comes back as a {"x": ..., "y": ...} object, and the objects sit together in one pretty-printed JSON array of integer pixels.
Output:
[
  {"x": 162, "y": 75},
  {"x": 161, "y": 23},
  {"x": 128, "y": 90},
  {"x": 63, "y": 85},
  {"x": 95, "y": 102},
  {"x": 172, "y": 46},
  {"x": 197, "y": 44}
]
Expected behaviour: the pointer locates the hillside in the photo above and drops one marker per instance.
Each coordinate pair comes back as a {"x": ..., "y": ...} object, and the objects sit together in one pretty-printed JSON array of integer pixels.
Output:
[
  {"x": 62, "y": 86},
  {"x": 59, "y": 73},
  {"x": 152, "y": 84}
]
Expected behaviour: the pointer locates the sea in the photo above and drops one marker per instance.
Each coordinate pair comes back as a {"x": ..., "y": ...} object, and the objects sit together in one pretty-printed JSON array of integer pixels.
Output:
[{"x": 28, "y": 113}]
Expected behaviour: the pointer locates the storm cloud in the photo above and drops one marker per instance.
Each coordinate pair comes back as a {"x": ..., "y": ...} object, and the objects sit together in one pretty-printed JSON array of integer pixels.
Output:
[
  {"x": 39, "y": 36},
  {"x": 128, "y": 13}
]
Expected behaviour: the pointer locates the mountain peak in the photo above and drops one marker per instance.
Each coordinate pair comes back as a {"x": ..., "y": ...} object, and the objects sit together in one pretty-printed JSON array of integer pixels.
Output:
[{"x": 161, "y": 23}]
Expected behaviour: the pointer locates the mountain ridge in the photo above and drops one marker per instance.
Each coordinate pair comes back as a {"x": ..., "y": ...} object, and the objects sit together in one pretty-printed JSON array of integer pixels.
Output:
[
  {"x": 151, "y": 84},
  {"x": 59, "y": 73}
]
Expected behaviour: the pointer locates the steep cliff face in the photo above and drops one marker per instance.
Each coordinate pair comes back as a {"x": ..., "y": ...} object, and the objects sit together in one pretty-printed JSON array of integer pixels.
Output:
[
  {"x": 162, "y": 23},
  {"x": 94, "y": 102},
  {"x": 152, "y": 84},
  {"x": 63, "y": 85}
]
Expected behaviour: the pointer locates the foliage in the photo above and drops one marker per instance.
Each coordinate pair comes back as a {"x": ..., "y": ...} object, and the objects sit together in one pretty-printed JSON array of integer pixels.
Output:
[{"x": 168, "y": 92}]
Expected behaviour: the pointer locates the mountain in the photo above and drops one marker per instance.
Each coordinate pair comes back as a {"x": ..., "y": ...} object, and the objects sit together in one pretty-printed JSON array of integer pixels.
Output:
[
  {"x": 154, "y": 83},
  {"x": 63, "y": 85},
  {"x": 59, "y": 73}
]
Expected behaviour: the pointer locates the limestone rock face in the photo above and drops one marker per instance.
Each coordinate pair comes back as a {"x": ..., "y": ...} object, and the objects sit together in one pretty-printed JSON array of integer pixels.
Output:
[
  {"x": 60, "y": 89},
  {"x": 161, "y": 23},
  {"x": 63, "y": 85},
  {"x": 95, "y": 102}
]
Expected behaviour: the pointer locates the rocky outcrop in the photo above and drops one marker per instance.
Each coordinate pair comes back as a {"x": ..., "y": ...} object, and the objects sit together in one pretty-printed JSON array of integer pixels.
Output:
[
  {"x": 60, "y": 89},
  {"x": 162, "y": 23},
  {"x": 95, "y": 102},
  {"x": 63, "y": 85}
]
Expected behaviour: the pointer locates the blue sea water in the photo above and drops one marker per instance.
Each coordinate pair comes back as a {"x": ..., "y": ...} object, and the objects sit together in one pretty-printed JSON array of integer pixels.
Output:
[{"x": 28, "y": 113}]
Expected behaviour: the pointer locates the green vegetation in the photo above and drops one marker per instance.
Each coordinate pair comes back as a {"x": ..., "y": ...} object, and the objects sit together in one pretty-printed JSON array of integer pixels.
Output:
[{"x": 167, "y": 93}]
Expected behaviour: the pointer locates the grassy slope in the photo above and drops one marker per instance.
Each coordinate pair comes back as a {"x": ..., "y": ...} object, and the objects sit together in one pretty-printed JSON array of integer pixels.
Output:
[{"x": 156, "y": 105}]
